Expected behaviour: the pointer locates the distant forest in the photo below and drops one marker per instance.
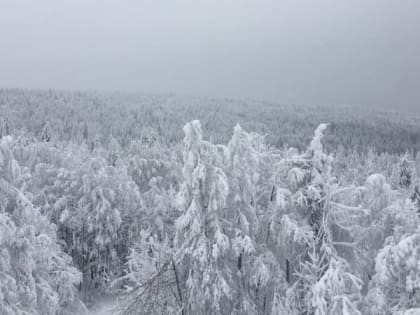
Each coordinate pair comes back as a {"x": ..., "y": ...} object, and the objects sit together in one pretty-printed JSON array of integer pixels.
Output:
[{"x": 94, "y": 116}]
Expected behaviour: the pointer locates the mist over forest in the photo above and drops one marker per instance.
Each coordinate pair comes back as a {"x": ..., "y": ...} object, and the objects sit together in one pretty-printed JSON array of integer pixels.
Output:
[{"x": 215, "y": 157}]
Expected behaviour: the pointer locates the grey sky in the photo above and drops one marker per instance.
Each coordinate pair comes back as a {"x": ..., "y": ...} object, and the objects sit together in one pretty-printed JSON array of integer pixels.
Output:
[{"x": 362, "y": 52}]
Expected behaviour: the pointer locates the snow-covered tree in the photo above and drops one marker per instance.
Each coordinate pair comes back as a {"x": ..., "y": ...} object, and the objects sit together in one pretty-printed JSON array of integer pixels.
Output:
[
  {"x": 36, "y": 276},
  {"x": 114, "y": 150},
  {"x": 415, "y": 197},
  {"x": 152, "y": 282},
  {"x": 257, "y": 272},
  {"x": 5, "y": 128},
  {"x": 406, "y": 172},
  {"x": 311, "y": 225},
  {"x": 201, "y": 240},
  {"x": 395, "y": 286},
  {"x": 46, "y": 132}
]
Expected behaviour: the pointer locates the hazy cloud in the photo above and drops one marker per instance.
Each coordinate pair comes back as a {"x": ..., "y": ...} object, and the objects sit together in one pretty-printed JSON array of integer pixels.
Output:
[{"x": 292, "y": 51}]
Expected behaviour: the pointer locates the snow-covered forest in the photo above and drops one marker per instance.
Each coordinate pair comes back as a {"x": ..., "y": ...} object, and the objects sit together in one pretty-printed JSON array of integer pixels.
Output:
[{"x": 161, "y": 204}]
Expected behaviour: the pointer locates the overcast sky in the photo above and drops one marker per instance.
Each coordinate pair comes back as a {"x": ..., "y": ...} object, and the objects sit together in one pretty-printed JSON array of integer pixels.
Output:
[{"x": 345, "y": 52}]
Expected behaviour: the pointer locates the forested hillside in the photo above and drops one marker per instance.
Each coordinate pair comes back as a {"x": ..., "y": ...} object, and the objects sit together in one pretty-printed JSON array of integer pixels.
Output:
[
  {"x": 94, "y": 116},
  {"x": 177, "y": 205}
]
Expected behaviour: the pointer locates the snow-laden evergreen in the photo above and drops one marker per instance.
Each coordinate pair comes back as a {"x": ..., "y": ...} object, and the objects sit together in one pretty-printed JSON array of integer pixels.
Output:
[{"x": 36, "y": 276}]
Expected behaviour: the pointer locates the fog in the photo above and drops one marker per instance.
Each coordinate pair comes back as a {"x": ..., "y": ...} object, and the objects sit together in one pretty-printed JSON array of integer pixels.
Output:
[{"x": 303, "y": 52}]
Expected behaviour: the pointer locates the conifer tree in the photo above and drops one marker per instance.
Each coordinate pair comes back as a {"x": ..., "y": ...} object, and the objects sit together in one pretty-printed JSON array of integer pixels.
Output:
[
  {"x": 311, "y": 194},
  {"x": 406, "y": 175},
  {"x": 415, "y": 197},
  {"x": 200, "y": 237},
  {"x": 36, "y": 276},
  {"x": 46, "y": 132}
]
